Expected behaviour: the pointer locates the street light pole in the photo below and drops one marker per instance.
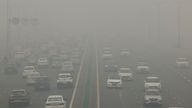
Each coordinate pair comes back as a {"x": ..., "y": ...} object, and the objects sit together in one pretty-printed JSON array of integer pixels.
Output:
[
  {"x": 7, "y": 31},
  {"x": 179, "y": 24}
]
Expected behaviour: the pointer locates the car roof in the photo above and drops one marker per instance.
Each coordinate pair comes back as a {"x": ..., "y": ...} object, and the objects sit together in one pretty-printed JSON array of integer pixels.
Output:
[
  {"x": 124, "y": 68},
  {"x": 43, "y": 58},
  {"x": 64, "y": 74},
  {"x": 43, "y": 76},
  {"x": 175, "y": 107},
  {"x": 55, "y": 96},
  {"x": 152, "y": 77},
  {"x": 29, "y": 67},
  {"x": 18, "y": 90},
  {"x": 181, "y": 58},
  {"x": 114, "y": 74},
  {"x": 152, "y": 90}
]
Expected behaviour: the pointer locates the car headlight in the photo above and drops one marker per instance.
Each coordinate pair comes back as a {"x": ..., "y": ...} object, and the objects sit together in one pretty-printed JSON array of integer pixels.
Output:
[
  {"x": 119, "y": 84},
  {"x": 146, "y": 99}
]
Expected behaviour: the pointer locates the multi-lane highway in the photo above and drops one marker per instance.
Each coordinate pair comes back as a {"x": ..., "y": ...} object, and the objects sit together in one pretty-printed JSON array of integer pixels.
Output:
[{"x": 90, "y": 91}]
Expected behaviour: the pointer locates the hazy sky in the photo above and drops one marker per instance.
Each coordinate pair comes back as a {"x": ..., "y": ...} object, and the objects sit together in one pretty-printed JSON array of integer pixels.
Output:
[{"x": 133, "y": 19}]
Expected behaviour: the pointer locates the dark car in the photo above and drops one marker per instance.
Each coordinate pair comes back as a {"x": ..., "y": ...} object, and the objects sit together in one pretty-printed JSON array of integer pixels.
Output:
[
  {"x": 111, "y": 68},
  {"x": 10, "y": 68},
  {"x": 19, "y": 97},
  {"x": 42, "y": 83}
]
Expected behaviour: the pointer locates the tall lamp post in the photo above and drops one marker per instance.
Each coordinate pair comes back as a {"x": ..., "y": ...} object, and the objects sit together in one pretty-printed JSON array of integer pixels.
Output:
[
  {"x": 179, "y": 23},
  {"x": 7, "y": 56}
]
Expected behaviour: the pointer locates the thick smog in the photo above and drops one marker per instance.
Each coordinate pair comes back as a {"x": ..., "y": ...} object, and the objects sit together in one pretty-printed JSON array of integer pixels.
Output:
[{"x": 95, "y": 54}]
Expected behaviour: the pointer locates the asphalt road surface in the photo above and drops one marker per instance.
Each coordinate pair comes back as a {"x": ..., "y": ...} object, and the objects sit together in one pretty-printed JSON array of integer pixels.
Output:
[{"x": 90, "y": 89}]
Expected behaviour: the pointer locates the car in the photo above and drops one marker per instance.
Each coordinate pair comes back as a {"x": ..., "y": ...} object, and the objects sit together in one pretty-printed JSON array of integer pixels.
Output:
[
  {"x": 152, "y": 82},
  {"x": 67, "y": 67},
  {"x": 76, "y": 59},
  {"x": 19, "y": 56},
  {"x": 76, "y": 53},
  {"x": 142, "y": 68},
  {"x": 28, "y": 70},
  {"x": 111, "y": 68},
  {"x": 107, "y": 56},
  {"x": 64, "y": 57},
  {"x": 31, "y": 78},
  {"x": 43, "y": 62},
  {"x": 32, "y": 60},
  {"x": 42, "y": 83},
  {"x": 55, "y": 101},
  {"x": 126, "y": 74},
  {"x": 124, "y": 52},
  {"x": 182, "y": 62},
  {"x": 10, "y": 68},
  {"x": 175, "y": 107},
  {"x": 56, "y": 61},
  {"x": 114, "y": 80},
  {"x": 107, "y": 49},
  {"x": 56, "y": 64},
  {"x": 152, "y": 97},
  {"x": 64, "y": 80},
  {"x": 20, "y": 96}
]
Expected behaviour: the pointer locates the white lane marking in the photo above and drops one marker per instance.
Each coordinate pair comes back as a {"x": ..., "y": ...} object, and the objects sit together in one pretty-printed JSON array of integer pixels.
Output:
[
  {"x": 97, "y": 72},
  {"x": 77, "y": 81},
  {"x": 121, "y": 99}
]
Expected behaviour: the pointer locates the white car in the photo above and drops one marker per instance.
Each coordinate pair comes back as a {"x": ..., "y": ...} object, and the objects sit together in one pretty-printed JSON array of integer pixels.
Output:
[
  {"x": 126, "y": 73},
  {"x": 152, "y": 96},
  {"x": 20, "y": 55},
  {"x": 124, "y": 52},
  {"x": 76, "y": 59},
  {"x": 67, "y": 68},
  {"x": 55, "y": 101},
  {"x": 152, "y": 83},
  {"x": 142, "y": 68},
  {"x": 64, "y": 57},
  {"x": 105, "y": 49},
  {"x": 32, "y": 60},
  {"x": 107, "y": 56},
  {"x": 43, "y": 62},
  {"x": 175, "y": 107},
  {"x": 28, "y": 70},
  {"x": 64, "y": 80},
  {"x": 182, "y": 62},
  {"x": 114, "y": 80},
  {"x": 31, "y": 78}
]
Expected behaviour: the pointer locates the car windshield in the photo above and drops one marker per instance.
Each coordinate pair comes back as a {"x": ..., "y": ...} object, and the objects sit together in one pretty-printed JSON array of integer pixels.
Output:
[
  {"x": 55, "y": 99},
  {"x": 125, "y": 70},
  {"x": 18, "y": 92},
  {"x": 20, "y": 53},
  {"x": 42, "y": 59},
  {"x": 68, "y": 63},
  {"x": 182, "y": 59},
  {"x": 42, "y": 80},
  {"x": 65, "y": 76},
  {"x": 125, "y": 50},
  {"x": 114, "y": 77},
  {"x": 152, "y": 80},
  {"x": 153, "y": 87},
  {"x": 29, "y": 68},
  {"x": 153, "y": 93},
  {"x": 34, "y": 75}
]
